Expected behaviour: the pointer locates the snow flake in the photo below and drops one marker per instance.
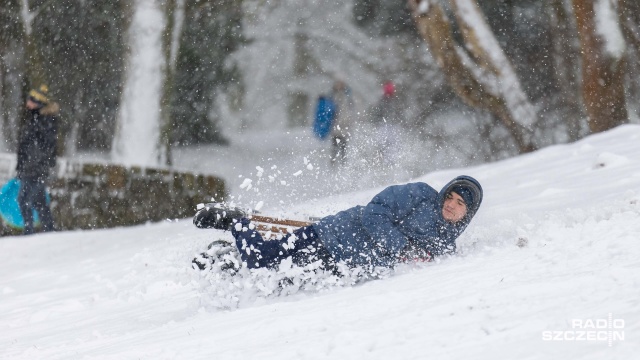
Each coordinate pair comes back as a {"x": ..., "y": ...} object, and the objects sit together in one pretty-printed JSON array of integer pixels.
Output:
[{"x": 246, "y": 184}]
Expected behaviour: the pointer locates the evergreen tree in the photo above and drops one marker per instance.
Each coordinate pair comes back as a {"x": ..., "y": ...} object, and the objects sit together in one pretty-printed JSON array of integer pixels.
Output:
[
  {"x": 85, "y": 62},
  {"x": 212, "y": 31}
]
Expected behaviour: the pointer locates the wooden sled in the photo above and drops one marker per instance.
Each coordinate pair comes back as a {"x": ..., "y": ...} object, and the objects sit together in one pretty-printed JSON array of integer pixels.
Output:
[{"x": 271, "y": 227}]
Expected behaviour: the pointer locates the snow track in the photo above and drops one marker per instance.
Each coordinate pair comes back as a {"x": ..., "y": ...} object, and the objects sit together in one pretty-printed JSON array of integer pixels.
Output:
[{"x": 555, "y": 240}]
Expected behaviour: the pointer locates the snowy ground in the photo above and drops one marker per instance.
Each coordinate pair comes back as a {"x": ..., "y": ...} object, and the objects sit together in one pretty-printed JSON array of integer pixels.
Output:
[{"x": 574, "y": 209}]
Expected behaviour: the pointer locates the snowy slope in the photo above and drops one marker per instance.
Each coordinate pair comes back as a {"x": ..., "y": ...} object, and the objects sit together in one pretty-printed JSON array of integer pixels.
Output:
[{"x": 575, "y": 209}]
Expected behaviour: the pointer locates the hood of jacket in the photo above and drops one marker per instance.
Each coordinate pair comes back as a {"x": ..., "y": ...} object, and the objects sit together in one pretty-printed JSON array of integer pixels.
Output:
[{"x": 51, "y": 109}]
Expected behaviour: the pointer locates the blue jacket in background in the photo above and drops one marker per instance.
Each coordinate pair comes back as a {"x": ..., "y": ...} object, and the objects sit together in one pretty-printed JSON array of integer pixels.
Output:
[
  {"x": 325, "y": 115},
  {"x": 400, "y": 219}
]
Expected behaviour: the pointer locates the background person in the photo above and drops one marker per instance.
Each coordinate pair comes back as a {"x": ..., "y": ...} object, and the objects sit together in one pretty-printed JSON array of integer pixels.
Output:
[
  {"x": 386, "y": 117},
  {"x": 36, "y": 156},
  {"x": 343, "y": 121}
]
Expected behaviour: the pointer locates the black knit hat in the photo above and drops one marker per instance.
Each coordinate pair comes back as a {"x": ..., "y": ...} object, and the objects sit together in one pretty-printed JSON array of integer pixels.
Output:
[
  {"x": 469, "y": 189},
  {"x": 465, "y": 193}
]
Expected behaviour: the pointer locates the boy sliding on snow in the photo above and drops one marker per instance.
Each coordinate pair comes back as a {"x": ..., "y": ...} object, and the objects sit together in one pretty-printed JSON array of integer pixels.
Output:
[{"x": 401, "y": 223}]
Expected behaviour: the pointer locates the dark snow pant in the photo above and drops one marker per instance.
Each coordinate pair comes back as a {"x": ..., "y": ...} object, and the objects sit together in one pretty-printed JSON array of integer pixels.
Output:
[
  {"x": 339, "y": 149},
  {"x": 303, "y": 246},
  {"x": 32, "y": 197}
]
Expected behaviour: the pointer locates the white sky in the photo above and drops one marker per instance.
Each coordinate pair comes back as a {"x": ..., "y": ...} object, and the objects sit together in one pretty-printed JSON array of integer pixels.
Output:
[{"x": 129, "y": 293}]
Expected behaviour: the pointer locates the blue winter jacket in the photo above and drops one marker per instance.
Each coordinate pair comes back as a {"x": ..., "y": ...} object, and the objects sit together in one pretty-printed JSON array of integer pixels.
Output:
[{"x": 400, "y": 219}]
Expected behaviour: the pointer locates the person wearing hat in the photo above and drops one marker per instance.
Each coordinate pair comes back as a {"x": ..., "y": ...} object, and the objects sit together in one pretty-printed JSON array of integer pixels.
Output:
[
  {"x": 386, "y": 117},
  {"x": 36, "y": 156},
  {"x": 410, "y": 222},
  {"x": 343, "y": 121}
]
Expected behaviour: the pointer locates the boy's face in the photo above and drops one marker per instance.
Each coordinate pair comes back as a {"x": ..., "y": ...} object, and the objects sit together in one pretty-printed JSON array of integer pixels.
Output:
[
  {"x": 454, "y": 208},
  {"x": 31, "y": 105}
]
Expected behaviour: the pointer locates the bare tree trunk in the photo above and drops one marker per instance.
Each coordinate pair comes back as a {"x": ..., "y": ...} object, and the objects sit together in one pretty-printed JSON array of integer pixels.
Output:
[
  {"x": 3, "y": 136},
  {"x": 630, "y": 19},
  {"x": 34, "y": 64},
  {"x": 603, "y": 63},
  {"x": 484, "y": 80},
  {"x": 174, "y": 14},
  {"x": 140, "y": 109},
  {"x": 35, "y": 75},
  {"x": 11, "y": 66},
  {"x": 565, "y": 63}
]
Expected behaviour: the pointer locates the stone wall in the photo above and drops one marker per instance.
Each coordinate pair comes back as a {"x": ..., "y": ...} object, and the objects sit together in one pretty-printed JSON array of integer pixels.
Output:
[{"x": 92, "y": 196}]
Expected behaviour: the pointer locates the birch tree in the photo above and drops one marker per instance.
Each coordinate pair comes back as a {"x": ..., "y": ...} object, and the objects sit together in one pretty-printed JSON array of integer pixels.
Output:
[
  {"x": 566, "y": 66},
  {"x": 603, "y": 63},
  {"x": 137, "y": 131},
  {"x": 629, "y": 11},
  {"x": 174, "y": 18},
  {"x": 478, "y": 70},
  {"x": 143, "y": 131}
]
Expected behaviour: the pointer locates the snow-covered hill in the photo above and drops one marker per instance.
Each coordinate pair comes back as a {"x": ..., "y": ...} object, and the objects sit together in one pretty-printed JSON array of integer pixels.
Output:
[{"x": 553, "y": 250}]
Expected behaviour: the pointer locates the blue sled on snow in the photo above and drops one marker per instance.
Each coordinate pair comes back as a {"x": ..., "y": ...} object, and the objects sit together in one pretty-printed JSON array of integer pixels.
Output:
[{"x": 9, "y": 208}]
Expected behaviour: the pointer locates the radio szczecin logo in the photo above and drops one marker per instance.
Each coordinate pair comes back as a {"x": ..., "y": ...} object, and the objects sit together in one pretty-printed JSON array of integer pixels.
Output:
[{"x": 605, "y": 330}]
